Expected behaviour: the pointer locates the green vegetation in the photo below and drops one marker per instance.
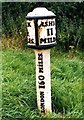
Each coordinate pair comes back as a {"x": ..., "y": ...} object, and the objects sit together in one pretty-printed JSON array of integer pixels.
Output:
[
  {"x": 19, "y": 85},
  {"x": 19, "y": 81},
  {"x": 69, "y": 17}
]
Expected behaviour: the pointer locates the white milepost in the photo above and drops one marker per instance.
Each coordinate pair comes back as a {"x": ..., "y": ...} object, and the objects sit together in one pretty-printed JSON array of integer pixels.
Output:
[
  {"x": 41, "y": 37},
  {"x": 43, "y": 82}
]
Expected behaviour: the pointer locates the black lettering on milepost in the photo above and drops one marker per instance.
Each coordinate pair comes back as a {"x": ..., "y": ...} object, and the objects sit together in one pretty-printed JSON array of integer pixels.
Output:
[
  {"x": 47, "y": 23},
  {"x": 41, "y": 77},
  {"x": 49, "y": 31},
  {"x": 30, "y": 40},
  {"x": 40, "y": 56},
  {"x": 40, "y": 62},
  {"x": 29, "y": 24},
  {"x": 42, "y": 102},
  {"x": 41, "y": 82}
]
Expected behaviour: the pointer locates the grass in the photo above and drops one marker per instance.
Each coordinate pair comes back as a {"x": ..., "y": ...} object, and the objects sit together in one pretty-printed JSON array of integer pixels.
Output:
[
  {"x": 0, "y": 84},
  {"x": 19, "y": 85}
]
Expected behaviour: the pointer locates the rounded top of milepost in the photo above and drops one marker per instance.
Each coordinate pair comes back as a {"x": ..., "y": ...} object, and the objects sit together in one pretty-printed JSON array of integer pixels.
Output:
[{"x": 40, "y": 12}]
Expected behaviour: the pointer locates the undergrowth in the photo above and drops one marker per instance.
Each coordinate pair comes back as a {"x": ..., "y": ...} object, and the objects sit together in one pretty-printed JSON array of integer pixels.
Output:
[{"x": 19, "y": 85}]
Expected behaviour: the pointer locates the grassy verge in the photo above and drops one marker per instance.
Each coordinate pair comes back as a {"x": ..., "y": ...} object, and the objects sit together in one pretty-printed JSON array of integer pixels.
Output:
[{"x": 19, "y": 85}]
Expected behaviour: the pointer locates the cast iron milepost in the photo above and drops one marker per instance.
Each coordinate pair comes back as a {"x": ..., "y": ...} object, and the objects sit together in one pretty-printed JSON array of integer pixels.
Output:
[{"x": 41, "y": 35}]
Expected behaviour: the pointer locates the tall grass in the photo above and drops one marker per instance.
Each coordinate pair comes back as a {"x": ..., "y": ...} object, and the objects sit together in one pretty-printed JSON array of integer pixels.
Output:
[
  {"x": 0, "y": 84},
  {"x": 19, "y": 85}
]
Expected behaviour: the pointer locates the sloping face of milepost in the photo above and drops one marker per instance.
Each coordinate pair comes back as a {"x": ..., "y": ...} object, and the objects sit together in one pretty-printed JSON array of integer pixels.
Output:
[{"x": 41, "y": 27}]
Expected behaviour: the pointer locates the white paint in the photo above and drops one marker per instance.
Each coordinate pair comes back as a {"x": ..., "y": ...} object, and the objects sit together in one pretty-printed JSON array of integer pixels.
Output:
[
  {"x": 46, "y": 32},
  {"x": 46, "y": 36},
  {"x": 43, "y": 31},
  {"x": 46, "y": 27},
  {"x": 46, "y": 74},
  {"x": 40, "y": 11}
]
